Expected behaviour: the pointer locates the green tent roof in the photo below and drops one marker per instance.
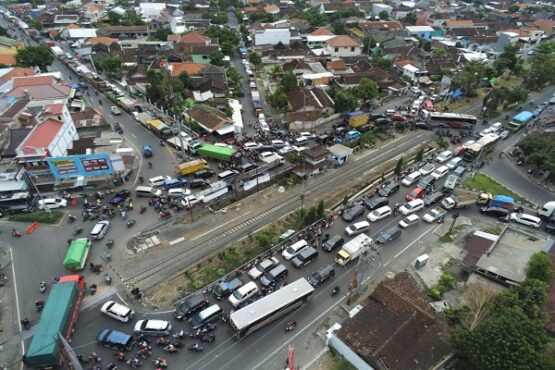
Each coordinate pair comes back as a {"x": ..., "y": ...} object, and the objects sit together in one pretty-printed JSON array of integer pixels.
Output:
[{"x": 77, "y": 253}]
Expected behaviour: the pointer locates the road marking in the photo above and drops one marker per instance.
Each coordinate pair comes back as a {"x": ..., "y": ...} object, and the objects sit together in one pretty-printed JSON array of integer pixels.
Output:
[
  {"x": 135, "y": 136},
  {"x": 222, "y": 225},
  {"x": 94, "y": 300},
  {"x": 178, "y": 240},
  {"x": 17, "y": 302},
  {"x": 417, "y": 239},
  {"x": 320, "y": 354}
]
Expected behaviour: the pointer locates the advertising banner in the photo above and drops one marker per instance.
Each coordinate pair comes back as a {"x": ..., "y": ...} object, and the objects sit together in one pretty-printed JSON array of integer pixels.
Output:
[{"x": 80, "y": 165}]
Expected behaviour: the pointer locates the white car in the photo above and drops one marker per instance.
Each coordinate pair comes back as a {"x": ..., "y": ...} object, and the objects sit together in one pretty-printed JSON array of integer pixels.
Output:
[
  {"x": 190, "y": 200},
  {"x": 427, "y": 169},
  {"x": 251, "y": 146},
  {"x": 115, "y": 110},
  {"x": 261, "y": 117},
  {"x": 278, "y": 144},
  {"x": 264, "y": 126},
  {"x": 526, "y": 219},
  {"x": 286, "y": 149},
  {"x": 379, "y": 213},
  {"x": 357, "y": 228},
  {"x": 444, "y": 156},
  {"x": 52, "y": 203},
  {"x": 409, "y": 221},
  {"x": 294, "y": 249},
  {"x": 411, "y": 207},
  {"x": 179, "y": 192},
  {"x": 468, "y": 143},
  {"x": 153, "y": 327},
  {"x": 157, "y": 181},
  {"x": 440, "y": 172},
  {"x": 454, "y": 162},
  {"x": 307, "y": 134},
  {"x": 117, "y": 311}
]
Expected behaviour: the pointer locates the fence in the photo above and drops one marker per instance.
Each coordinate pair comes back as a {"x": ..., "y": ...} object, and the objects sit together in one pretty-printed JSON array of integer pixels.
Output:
[{"x": 298, "y": 126}]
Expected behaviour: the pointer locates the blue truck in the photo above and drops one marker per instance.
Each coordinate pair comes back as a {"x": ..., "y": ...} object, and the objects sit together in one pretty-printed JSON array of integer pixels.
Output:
[{"x": 520, "y": 120}]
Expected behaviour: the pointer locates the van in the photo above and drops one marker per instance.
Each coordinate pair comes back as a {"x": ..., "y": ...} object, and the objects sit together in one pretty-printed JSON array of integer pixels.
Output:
[
  {"x": 294, "y": 249},
  {"x": 147, "y": 191},
  {"x": 411, "y": 178},
  {"x": 357, "y": 228},
  {"x": 158, "y": 328},
  {"x": 115, "y": 339},
  {"x": 411, "y": 207},
  {"x": 100, "y": 229},
  {"x": 242, "y": 294},
  {"x": 227, "y": 175},
  {"x": 206, "y": 316},
  {"x": 427, "y": 182},
  {"x": 421, "y": 260},
  {"x": 300, "y": 141},
  {"x": 390, "y": 112},
  {"x": 304, "y": 258},
  {"x": 272, "y": 277}
]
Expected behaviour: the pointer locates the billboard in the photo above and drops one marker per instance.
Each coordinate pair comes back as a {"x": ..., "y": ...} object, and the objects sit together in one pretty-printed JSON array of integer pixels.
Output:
[{"x": 80, "y": 165}]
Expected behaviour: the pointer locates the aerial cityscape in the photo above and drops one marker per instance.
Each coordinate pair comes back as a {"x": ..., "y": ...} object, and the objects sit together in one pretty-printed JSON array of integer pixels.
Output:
[{"x": 299, "y": 185}]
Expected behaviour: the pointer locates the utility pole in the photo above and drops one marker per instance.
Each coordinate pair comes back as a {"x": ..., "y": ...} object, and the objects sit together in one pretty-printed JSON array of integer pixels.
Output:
[
  {"x": 164, "y": 65},
  {"x": 371, "y": 256},
  {"x": 46, "y": 208}
]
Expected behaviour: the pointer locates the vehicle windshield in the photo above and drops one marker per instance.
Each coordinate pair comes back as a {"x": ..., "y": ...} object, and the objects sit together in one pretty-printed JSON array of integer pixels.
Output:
[
  {"x": 237, "y": 295},
  {"x": 259, "y": 267},
  {"x": 290, "y": 250}
]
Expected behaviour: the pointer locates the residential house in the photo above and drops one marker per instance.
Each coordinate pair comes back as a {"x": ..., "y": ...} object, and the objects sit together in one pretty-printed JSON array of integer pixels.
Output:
[
  {"x": 337, "y": 66},
  {"x": 343, "y": 46},
  {"x": 65, "y": 19},
  {"x": 151, "y": 10},
  {"x": 297, "y": 66},
  {"x": 211, "y": 120},
  {"x": 272, "y": 36},
  {"x": 177, "y": 25},
  {"x": 377, "y": 8},
  {"x": 74, "y": 34},
  {"x": 439, "y": 19},
  {"x": 194, "y": 53},
  {"x": 314, "y": 160},
  {"x": 379, "y": 30},
  {"x": 317, "y": 39},
  {"x": 8, "y": 50},
  {"x": 209, "y": 89},
  {"x": 89, "y": 122},
  {"x": 424, "y": 32},
  {"x": 192, "y": 39},
  {"x": 396, "y": 328},
  {"x": 271, "y": 9},
  {"x": 123, "y": 32},
  {"x": 94, "y": 12},
  {"x": 7, "y": 74},
  {"x": 295, "y": 50},
  {"x": 192, "y": 69},
  {"x": 41, "y": 89},
  {"x": 298, "y": 121},
  {"x": 304, "y": 99},
  {"x": 330, "y": 8}
]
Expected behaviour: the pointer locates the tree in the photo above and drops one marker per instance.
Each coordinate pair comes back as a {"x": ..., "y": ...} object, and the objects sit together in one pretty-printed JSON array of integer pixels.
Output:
[
  {"x": 276, "y": 71},
  {"x": 114, "y": 18},
  {"x": 470, "y": 76},
  {"x": 279, "y": 100},
  {"x": 512, "y": 9},
  {"x": 338, "y": 27},
  {"x": 37, "y": 24},
  {"x": 507, "y": 60},
  {"x": 366, "y": 89},
  {"x": 384, "y": 16},
  {"x": 111, "y": 66},
  {"x": 427, "y": 46},
  {"x": 34, "y": 56},
  {"x": 539, "y": 267},
  {"x": 185, "y": 79},
  {"x": 419, "y": 156},
  {"x": 255, "y": 59},
  {"x": 288, "y": 81},
  {"x": 227, "y": 48},
  {"x": 233, "y": 75},
  {"x": 479, "y": 301},
  {"x": 410, "y": 18},
  {"x": 344, "y": 101},
  {"x": 216, "y": 58},
  {"x": 399, "y": 166},
  {"x": 161, "y": 34},
  {"x": 321, "y": 209},
  {"x": 541, "y": 72},
  {"x": 368, "y": 43},
  {"x": 442, "y": 142}
]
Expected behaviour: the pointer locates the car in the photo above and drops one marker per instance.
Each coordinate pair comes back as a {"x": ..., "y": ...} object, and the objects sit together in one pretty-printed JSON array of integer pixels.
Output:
[
  {"x": 190, "y": 200},
  {"x": 415, "y": 89},
  {"x": 389, "y": 235},
  {"x": 357, "y": 228},
  {"x": 199, "y": 183},
  {"x": 352, "y": 213},
  {"x": 251, "y": 146},
  {"x": 305, "y": 257},
  {"x": 332, "y": 243},
  {"x": 382, "y": 122},
  {"x": 459, "y": 171},
  {"x": 416, "y": 193},
  {"x": 286, "y": 149},
  {"x": 115, "y": 340},
  {"x": 308, "y": 135},
  {"x": 459, "y": 150},
  {"x": 454, "y": 163},
  {"x": 261, "y": 268},
  {"x": 178, "y": 193},
  {"x": 204, "y": 174},
  {"x": 422, "y": 125},
  {"x": 117, "y": 128},
  {"x": 379, "y": 213},
  {"x": 115, "y": 110},
  {"x": 504, "y": 134},
  {"x": 173, "y": 183},
  {"x": 427, "y": 169},
  {"x": 190, "y": 305},
  {"x": 157, "y": 181},
  {"x": 440, "y": 172},
  {"x": 120, "y": 196},
  {"x": 389, "y": 189},
  {"x": 278, "y": 144},
  {"x": 117, "y": 311},
  {"x": 318, "y": 277},
  {"x": 376, "y": 202},
  {"x": 294, "y": 249},
  {"x": 52, "y": 203},
  {"x": 451, "y": 183},
  {"x": 157, "y": 328},
  {"x": 433, "y": 198},
  {"x": 444, "y": 156},
  {"x": 409, "y": 221},
  {"x": 549, "y": 228},
  {"x": 224, "y": 288},
  {"x": 100, "y": 229},
  {"x": 411, "y": 207},
  {"x": 501, "y": 214},
  {"x": 526, "y": 219}
]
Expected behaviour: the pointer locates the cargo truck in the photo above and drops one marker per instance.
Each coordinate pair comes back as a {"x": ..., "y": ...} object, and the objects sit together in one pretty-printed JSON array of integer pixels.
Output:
[
  {"x": 356, "y": 119},
  {"x": 58, "y": 318},
  {"x": 353, "y": 248},
  {"x": 271, "y": 159},
  {"x": 144, "y": 118},
  {"x": 434, "y": 215},
  {"x": 520, "y": 120},
  {"x": 191, "y": 146},
  {"x": 77, "y": 254},
  {"x": 159, "y": 128},
  {"x": 187, "y": 168},
  {"x": 547, "y": 211},
  {"x": 500, "y": 201},
  {"x": 457, "y": 202},
  {"x": 256, "y": 102},
  {"x": 222, "y": 153}
]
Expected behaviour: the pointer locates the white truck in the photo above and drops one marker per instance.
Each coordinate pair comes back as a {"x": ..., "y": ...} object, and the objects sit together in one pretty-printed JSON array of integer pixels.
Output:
[
  {"x": 547, "y": 211},
  {"x": 272, "y": 159},
  {"x": 353, "y": 248},
  {"x": 434, "y": 214}
]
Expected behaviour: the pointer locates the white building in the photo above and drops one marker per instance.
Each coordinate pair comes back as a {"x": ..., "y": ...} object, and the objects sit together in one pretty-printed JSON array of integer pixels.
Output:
[
  {"x": 177, "y": 25},
  {"x": 411, "y": 72},
  {"x": 343, "y": 46},
  {"x": 151, "y": 10},
  {"x": 377, "y": 8},
  {"x": 272, "y": 36}
]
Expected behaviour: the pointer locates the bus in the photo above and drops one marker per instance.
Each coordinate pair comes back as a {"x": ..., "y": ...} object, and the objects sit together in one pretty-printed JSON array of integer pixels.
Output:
[
  {"x": 452, "y": 120},
  {"x": 520, "y": 120},
  {"x": 269, "y": 308},
  {"x": 484, "y": 144}
]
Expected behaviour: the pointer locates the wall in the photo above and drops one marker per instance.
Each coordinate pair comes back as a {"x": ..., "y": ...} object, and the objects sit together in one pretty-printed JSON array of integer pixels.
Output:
[
  {"x": 272, "y": 37},
  {"x": 301, "y": 126},
  {"x": 344, "y": 52}
]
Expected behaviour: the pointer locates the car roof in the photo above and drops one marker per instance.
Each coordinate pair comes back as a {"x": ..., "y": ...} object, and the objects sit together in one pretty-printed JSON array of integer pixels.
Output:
[
  {"x": 117, "y": 308},
  {"x": 155, "y": 324}
]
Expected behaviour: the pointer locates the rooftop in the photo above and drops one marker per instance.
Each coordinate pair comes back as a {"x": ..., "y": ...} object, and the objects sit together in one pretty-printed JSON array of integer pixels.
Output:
[
  {"x": 43, "y": 134},
  {"x": 192, "y": 69},
  {"x": 342, "y": 41}
]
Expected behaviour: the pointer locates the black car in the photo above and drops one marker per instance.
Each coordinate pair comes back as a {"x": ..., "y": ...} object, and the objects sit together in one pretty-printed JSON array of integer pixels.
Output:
[
  {"x": 320, "y": 276},
  {"x": 352, "y": 213},
  {"x": 422, "y": 125},
  {"x": 388, "y": 190},
  {"x": 204, "y": 174},
  {"x": 305, "y": 257},
  {"x": 382, "y": 122},
  {"x": 117, "y": 128},
  {"x": 364, "y": 128},
  {"x": 376, "y": 202},
  {"x": 227, "y": 287},
  {"x": 199, "y": 183},
  {"x": 334, "y": 242},
  {"x": 388, "y": 236},
  {"x": 433, "y": 198},
  {"x": 501, "y": 213},
  {"x": 190, "y": 305},
  {"x": 376, "y": 116}
]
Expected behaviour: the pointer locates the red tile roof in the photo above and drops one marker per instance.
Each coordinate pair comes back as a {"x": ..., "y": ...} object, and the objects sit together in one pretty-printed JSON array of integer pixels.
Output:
[
  {"x": 342, "y": 41},
  {"x": 32, "y": 81},
  {"x": 8, "y": 59},
  {"x": 192, "y": 69},
  {"x": 321, "y": 31},
  {"x": 43, "y": 134},
  {"x": 16, "y": 72},
  {"x": 54, "y": 109},
  {"x": 194, "y": 38}
]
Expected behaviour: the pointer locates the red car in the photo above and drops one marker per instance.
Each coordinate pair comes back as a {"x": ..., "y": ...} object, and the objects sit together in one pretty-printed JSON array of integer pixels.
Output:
[
  {"x": 416, "y": 193},
  {"x": 398, "y": 118},
  {"x": 458, "y": 151}
]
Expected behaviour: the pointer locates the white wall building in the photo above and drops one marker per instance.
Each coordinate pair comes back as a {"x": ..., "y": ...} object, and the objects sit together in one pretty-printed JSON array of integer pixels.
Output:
[
  {"x": 272, "y": 36},
  {"x": 151, "y": 10},
  {"x": 177, "y": 25},
  {"x": 411, "y": 72}
]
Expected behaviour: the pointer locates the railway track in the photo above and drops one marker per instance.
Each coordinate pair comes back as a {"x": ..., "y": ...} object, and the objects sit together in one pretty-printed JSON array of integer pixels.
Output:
[{"x": 199, "y": 249}]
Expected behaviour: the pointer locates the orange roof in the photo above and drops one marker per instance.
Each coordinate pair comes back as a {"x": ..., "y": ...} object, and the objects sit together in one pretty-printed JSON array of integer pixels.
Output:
[
  {"x": 271, "y": 8},
  {"x": 460, "y": 22},
  {"x": 7, "y": 59},
  {"x": 73, "y": 26},
  {"x": 94, "y": 7},
  {"x": 194, "y": 38},
  {"x": 321, "y": 31},
  {"x": 173, "y": 37},
  {"x": 32, "y": 81},
  {"x": 54, "y": 109},
  {"x": 336, "y": 64},
  {"x": 342, "y": 41},
  {"x": 402, "y": 63},
  {"x": 43, "y": 134},
  {"x": 192, "y": 69},
  {"x": 17, "y": 72},
  {"x": 102, "y": 40}
]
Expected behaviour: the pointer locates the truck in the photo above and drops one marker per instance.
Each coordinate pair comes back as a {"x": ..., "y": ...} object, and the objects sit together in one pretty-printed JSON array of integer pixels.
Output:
[
  {"x": 353, "y": 248},
  {"x": 547, "y": 211},
  {"x": 499, "y": 200},
  {"x": 272, "y": 159},
  {"x": 434, "y": 214},
  {"x": 77, "y": 254},
  {"x": 144, "y": 118},
  {"x": 256, "y": 102},
  {"x": 356, "y": 119},
  {"x": 459, "y": 201},
  {"x": 191, "y": 146},
  {"x": 222, "y": 153},
  {"x": 58, "y": 318},
  {"x": 187, "y": 168},
  {"x": 520, "y": 120},
  {"x": 159, "y": 128}
]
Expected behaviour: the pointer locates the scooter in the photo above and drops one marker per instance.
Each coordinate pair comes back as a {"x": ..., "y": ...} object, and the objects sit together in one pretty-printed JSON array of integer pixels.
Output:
[
  {"x": 110, "y": 243},
  {"x": 107, "y": 279},
  {"x": 131, "y": 223},
  {"x": 71, "y": 219},
  {"x": 77, "y": 231},
  {"x": 16, "y": 233},
  {"x": 142, "y": 209},
  {"x": 43, "y": 286},
  {"x": 134, "y": 362},
  {"x": 195, "y": 347},
  {"x": 291, "y": 325},
  {"x": 335, "y": 291}
]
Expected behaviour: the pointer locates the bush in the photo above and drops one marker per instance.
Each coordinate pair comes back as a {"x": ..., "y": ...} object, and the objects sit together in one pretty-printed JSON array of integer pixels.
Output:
[{"x": 40, "y": 216}]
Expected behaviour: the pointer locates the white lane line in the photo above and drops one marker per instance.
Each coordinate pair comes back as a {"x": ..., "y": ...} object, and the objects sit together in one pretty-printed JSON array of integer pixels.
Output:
[
  {"x": 417, "y": 239},
  {"x": 178, "y": 240},
  {"x": 17, "y": 301},
  {"x": 222, "y": 225},
  {"x": 135, "y": 136}
]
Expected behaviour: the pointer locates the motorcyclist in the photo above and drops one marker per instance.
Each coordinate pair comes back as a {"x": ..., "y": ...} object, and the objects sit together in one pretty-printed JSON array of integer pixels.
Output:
[
  {"x": 15, "y": 232},
  {"x": 25, "y": 323},
  {"x": 39, "y": 304},
  {"x": 170, "y": 348},
  {"x": 161, "y": 362}
]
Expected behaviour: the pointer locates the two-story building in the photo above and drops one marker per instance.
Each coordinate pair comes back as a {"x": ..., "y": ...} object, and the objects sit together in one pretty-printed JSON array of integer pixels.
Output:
[{"x": 343, "y": 46}]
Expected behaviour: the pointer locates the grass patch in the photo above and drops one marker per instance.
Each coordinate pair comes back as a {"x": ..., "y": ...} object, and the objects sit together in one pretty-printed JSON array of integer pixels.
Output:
[
  {"x": 338, "y": 362},
  {"x": 40, "y": 216},
  {"x": 495, "y": 230},
  {"x": 481, "y": 182},
  {"x": 447, "y": 238}
]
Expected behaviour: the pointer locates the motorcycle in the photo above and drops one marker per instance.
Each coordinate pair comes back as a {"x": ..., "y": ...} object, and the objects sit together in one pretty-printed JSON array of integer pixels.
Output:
[
  {"x": 107, "y": 279},
  {"x": 142, "y": 209},
  {"x": 195, "y": 347},
  {"x": 108, "y": 255},
  {"x": 39, "y": 305},
  {"x": 141, "y": 179},
  {"x": 110, "y": 243},
  {"x": 208, "y": 338},
  {"x": 131, "y": 223},
  {"x": 16, "y": 233},
  {"x": 134, "y": 362},
  {"x": 160, "y": 363},
  {"x": 165, "y": 214},
  {"x": 71, "y": 218},
  {"x": 25, "y": 323},
  {"x": 43, "y": 286},
  {"x": 120, "y": 356},
  {"x": 171, "y": 349},
  {"x": 291, "y": 325},
  {"x": 77, "y": 231},
  {"x": 96, "y": 268},
  {"x": 92, "y": 289},
  {"x": 335, "y": 291}
]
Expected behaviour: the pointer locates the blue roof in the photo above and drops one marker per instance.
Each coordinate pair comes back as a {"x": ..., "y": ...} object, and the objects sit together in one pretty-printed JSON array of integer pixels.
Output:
[
  {"x": 118, "y": 337},
  {"x": 523, "y": 116}
]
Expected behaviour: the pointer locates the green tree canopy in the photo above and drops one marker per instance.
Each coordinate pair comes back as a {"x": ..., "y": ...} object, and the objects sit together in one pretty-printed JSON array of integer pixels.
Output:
[
  {"x": 34, "y": 56},
  {"x": 216, "y": 58},
  {"x": 288, "y": 81},
  {"x": 111, "y": 66},
  {"x": 366, "y": 90},
  {"x": 37, "y": 24},
  {"x": 541, "y": 71},
  {"x": 279, "y": 100},
  {"x": 410, "y": 18},
  {"x": 255, "y": 59},
  {"x": 384, "y": 16},
  {"x": 161, "y": 34},
  {"x": 345, "y": 101}
]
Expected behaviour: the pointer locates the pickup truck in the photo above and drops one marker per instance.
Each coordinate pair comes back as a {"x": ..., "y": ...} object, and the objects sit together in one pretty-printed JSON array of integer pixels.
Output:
[
  {"x": 434, "y": 215},
  {"x": 457, "y": 202}
]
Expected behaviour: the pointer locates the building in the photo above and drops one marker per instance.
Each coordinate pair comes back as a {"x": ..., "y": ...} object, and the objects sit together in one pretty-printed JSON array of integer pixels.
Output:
[
  {"x": 211, "y": 120},
  {"x": 314, "y": 160},
  {"x": 396, "y": 329},
  {"x": 303, "y": 99},
  {"x": 425, "y": 32},
  {"x": 151, "y": 10},
  {"x": 343, "y": 46},
  {"x": 317, "y": 39},
  {"x": 272, "y": 36},
  {"x": 177, "y": 25}
]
